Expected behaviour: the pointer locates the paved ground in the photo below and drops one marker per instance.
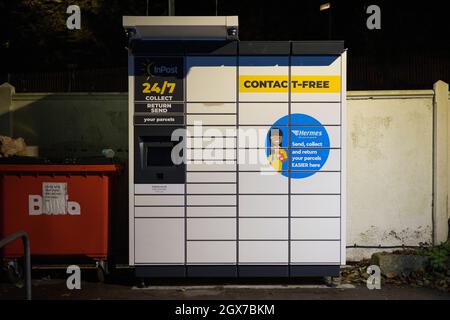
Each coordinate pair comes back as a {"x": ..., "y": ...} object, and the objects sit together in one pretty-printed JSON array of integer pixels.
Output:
[{"x": 52, "y": 285}]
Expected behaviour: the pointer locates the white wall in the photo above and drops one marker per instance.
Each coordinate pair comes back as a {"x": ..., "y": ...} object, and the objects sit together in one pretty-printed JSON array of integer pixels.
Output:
[{"x": 390, "y": 146}]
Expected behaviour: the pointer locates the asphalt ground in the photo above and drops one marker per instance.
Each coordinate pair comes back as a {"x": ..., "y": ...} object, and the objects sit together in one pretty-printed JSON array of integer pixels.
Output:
[{"x": 51, "y": 284}]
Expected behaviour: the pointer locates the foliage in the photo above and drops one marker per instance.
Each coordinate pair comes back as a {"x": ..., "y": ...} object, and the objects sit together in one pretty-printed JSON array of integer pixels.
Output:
[{"x": 438, "y": 256}]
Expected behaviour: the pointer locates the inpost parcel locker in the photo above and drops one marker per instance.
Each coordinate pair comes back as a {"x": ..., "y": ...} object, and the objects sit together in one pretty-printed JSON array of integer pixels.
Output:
[{"x": 260, "y": 128}]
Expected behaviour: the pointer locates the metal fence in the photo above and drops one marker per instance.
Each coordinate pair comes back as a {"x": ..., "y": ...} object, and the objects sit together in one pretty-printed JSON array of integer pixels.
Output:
[{"x": 364, "y": 73}]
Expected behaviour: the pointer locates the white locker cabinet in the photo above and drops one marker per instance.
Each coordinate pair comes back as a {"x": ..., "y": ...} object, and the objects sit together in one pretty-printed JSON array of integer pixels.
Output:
[
  {"x": 263, "y": 252},
  {"x": 263, "y": 205},
  {"x": 211, "y": 119},
  {"x": 211, "y": 108},
  {"x": 211, "y": 252},
  {"x": 315, "y": 205},
  {"x": 159, "y": 241},
  {"x": 315, "y": 228},
  {"x": 211, "y": 211},
  {"x": 211, "y": 229},
  {"x": 254, "y": 70},
  {"x": 257, "y": 182},
  {"x": 261, "y": 114},
  {"x": 159, "y": 200},
  {"x": 325, "y": 113},
  {"x": 319, "y": 183},
  {"x": 211, "y": 79},
  {"x": 211, "y": 142},
  {"x": 210, "y": 131},
  {"x": 261, "y": 129},
  {"x": 208, "y": 166},
  {"x": 315, "y": 252},
  {"x": 158, "y": 212},
  {"x": 263, "y": 228},
  {"x": 224, "y": 177},
  {"x": 250, "y": 136},
  {"x": 211, "y": 200},
  {"x": 211, "y": 188}
]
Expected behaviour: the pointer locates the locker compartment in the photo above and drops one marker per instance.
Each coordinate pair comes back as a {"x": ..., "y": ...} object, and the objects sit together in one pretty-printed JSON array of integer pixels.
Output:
[
  {"x": 254, "y": 160},
  {"x": 211, "y": 228},
  {"x": 160, "y": 212},
  {"x": 216, "y": 200},
  {"x": 310, "y": 252},
  {"x": 211, "y": 79},
  {"x": 215, "y": 188},
  {"x": 229, "y": 165},
  {"x": 211, "y": 211},
  {"x": 263, "y": 252},
  {"x": 315, "y": 228},
  {"x": 255, "y": 136},
  {"x": 334, "y": 134},
  {"x": 261, "y": 113},
  {"x": 211, "y": 142},
  {"x": 310, "y": 68},
  {"x": 266, "y": 205},
  {"x": 159, "y": 200},
  {"x": 211, "y": 177},
  {"x": 211, "y": 252},
  {"x": 173, "y": 188},
  {"x": 315, "y": 205},
  {"x": 207, "y": 119},
  {"x": 216, "y": 131},
  {"x": 211, "y": 107},
  {"x": 159, "y": 240},
  {"x": 333, "y": 162},
  {"x": 319, "y": 182},
  {"x": 263, "y": 228},
  {"x": 325, "y": 113},
  {"x": 273, "y": 67},
  {"x": 211, "y": 154},
  {"x": 257, "y": 182}
]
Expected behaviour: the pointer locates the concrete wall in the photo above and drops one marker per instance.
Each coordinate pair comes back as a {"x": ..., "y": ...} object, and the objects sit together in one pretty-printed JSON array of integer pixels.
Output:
[
  {"x": 391, "y": 159},
  {"x": 390, "y": 169}
]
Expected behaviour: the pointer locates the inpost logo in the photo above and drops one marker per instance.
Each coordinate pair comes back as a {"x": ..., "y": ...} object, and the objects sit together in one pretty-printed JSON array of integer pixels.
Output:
[{"x": 162, "y": 70}]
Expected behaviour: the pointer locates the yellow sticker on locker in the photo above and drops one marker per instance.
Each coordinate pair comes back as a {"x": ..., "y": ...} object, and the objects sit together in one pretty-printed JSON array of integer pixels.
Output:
[
  {"x": 315, "y": 84},
  {"x": 263, "y": 84},
  {"x": 280, "y": 84}
]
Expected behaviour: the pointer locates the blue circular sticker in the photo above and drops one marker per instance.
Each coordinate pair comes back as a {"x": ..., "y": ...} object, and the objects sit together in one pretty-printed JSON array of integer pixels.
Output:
[{"x": 303, "y": 149}]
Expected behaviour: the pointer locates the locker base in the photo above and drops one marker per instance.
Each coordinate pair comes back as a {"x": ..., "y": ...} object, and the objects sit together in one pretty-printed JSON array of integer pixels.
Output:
[{"x": 243, "y": 271}]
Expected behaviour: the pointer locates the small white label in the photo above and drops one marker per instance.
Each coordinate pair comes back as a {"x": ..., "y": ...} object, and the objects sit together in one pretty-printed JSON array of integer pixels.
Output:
[{"x": 54, "y": 197}]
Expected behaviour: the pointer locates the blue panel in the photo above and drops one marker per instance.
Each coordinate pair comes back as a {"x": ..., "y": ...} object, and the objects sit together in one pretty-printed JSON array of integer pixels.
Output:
[
  {"x": 263, "y": 61},
  {"x": 313, "y": 60},
  {"x": 208, "y": 61}
]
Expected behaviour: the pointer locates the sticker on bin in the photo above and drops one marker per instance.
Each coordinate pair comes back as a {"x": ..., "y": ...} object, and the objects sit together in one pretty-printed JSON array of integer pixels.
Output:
[{"x": 54, "y": 201}]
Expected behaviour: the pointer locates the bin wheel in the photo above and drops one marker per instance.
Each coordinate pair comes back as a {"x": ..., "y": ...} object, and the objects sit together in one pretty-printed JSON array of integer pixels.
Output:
[
  {"x": 15, "y": 274},
  {"x": 102, "y": 270},
  {"x": 101, "y": 274}
]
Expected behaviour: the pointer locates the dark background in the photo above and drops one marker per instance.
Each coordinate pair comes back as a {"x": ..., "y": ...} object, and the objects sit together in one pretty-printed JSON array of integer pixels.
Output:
[{"x": 38, "y": 53}]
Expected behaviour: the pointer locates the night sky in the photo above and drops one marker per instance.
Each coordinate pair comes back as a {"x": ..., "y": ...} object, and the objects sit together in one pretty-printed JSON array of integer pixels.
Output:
[{"x": 411, "y": 51}]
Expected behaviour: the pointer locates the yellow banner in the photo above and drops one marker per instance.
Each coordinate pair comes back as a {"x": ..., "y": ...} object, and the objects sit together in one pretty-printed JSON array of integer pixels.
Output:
[
  {"x": 316, "y": 84},
  {"x": 280, "y": 84},
  {"x": 263, "y": 83}
]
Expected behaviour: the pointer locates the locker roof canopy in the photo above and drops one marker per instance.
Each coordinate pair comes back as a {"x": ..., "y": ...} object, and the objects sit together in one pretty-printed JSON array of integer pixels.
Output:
[{"x": 181, "y": 27}]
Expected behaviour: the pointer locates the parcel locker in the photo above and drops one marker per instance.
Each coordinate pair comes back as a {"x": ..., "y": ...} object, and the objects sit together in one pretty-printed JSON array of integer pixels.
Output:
[{"x": 237, "y": 151}]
